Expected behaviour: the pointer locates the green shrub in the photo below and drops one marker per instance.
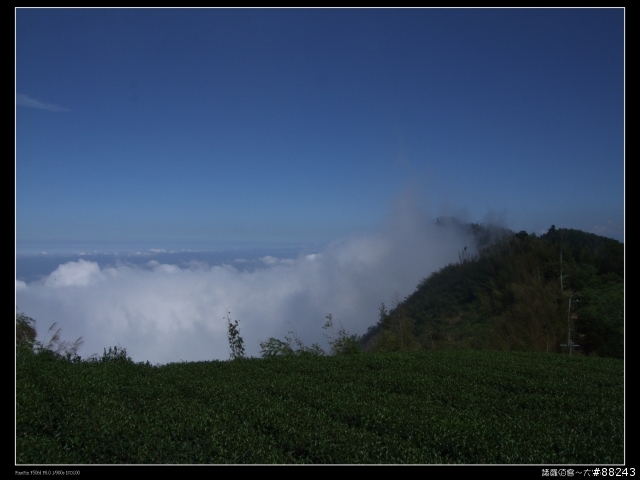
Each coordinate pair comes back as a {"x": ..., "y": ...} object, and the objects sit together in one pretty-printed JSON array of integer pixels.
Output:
[
  {"x": 236, "y": 342},
  {"x": 116, "y": 355},
  {"x": 437, "y": 407},
  {"x": 275, "y": 348},
  {"x": 54, "y": 348},
  {"x": 25, "y": 332},
  {"x": 341, "y": 342}
]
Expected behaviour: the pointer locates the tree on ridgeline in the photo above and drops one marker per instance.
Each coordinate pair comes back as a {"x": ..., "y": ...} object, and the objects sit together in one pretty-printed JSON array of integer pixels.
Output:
[{"x": 26, "y": 340}]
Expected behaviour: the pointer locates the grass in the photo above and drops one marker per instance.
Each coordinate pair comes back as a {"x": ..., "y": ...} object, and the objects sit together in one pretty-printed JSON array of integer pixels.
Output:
[{"x": 437, "y": 407}]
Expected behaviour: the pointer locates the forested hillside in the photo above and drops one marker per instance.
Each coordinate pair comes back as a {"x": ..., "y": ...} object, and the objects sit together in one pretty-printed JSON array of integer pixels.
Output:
[{"x": 520, "y": 292}]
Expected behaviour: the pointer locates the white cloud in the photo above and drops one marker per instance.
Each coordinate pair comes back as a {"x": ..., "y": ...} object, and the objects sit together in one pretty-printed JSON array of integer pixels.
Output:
[
  {"x": 26, "y": 101},
  {"x": 269, "y": 260},
  {"x": 80, "y": 273},
  {"x": 164, "y": 313}
]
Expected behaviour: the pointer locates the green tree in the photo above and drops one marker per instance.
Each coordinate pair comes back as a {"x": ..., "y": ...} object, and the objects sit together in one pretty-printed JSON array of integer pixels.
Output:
[
  {"x": 408, "y": 341},
  {"x": 116, "y": 355},
  {"x": 26, "y": 340},
  {"x": 601, "y": 320},
  {"x": 341, "y": 342},
  {"x": 25, "y": 333},
  {"x": 384, "y": 320},
  {"x": 386, "y": 341},
  {"x": 235, "y": 340},
  {"x": 395, "y": 330}
]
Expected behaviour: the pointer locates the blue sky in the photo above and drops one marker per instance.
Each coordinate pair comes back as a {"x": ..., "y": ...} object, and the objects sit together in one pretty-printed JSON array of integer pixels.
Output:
[
  {"x": 209, "y": 127},
  {"x": 284, "y": 164}
]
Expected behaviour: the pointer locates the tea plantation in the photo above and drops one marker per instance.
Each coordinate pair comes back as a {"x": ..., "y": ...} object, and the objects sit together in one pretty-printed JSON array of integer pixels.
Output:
[{"x": 436, "y": 407}]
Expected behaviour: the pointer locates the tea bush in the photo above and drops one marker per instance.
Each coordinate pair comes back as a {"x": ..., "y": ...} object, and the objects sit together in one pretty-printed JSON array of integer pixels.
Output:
[{"x": 406, "y": 407}]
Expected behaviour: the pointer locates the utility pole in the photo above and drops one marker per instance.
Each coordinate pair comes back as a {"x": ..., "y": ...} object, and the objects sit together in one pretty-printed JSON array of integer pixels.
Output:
[
  {"x": 569, "y": 343},
  {"x": 562, "y": 277}
]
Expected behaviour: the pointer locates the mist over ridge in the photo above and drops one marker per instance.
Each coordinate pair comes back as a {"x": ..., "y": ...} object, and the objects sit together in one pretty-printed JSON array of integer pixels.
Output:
[{"x": 164, "y": 312}]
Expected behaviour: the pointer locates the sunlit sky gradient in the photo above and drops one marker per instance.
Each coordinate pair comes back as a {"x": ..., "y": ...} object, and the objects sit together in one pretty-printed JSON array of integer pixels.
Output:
[{"x": 271, "y": 126}]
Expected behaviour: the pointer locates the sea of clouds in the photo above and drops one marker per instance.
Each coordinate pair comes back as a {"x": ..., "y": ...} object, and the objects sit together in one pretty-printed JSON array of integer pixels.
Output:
[{"x": 164, "y": 312}]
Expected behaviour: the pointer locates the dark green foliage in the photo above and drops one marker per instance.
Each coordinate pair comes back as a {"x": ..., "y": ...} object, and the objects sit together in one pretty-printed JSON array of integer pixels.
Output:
[
  {"x": 53, "y": 349},
  {"x": 384, "y": 320},
  {"x": 25, "y": 333},
  {"x": 274, "y": 348},
  {"x": 421, "y": 407},
  {"x": 509, "y": 296},
  {"x": 394, "y": 333},
  {"x": 116, "y": 355},
  {"x": 292, "y": 347},
  {"x": 297, "y": 405},
  {"x": 236, "y": 342},
  {"x": 601, "y": 320},
  {"x": 370, "y": 338},
  {"x": 341, "y": 342}
]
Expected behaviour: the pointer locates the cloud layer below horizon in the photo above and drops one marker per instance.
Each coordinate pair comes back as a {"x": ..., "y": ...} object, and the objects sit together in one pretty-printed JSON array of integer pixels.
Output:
[{"x": 165, "y": 313}]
